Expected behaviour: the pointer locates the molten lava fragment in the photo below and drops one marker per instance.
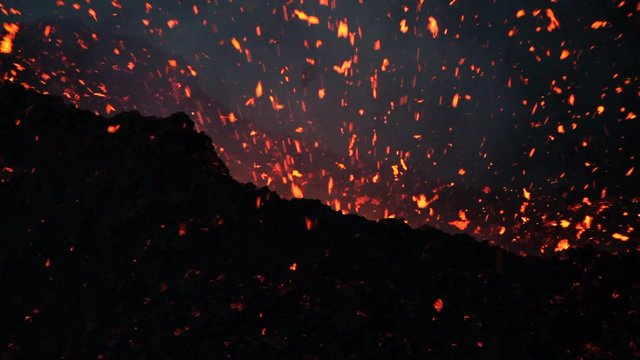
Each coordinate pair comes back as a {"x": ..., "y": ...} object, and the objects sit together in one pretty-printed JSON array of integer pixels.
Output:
[{"x": 438, "y": 304}]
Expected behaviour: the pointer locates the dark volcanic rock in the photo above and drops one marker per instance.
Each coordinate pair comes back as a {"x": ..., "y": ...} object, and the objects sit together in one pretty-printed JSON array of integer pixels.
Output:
[{"x": 127, "y": 238}]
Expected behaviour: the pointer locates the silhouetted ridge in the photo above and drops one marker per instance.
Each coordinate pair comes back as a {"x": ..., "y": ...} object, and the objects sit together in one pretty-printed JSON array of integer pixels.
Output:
[{"x": 126, "y": 238}]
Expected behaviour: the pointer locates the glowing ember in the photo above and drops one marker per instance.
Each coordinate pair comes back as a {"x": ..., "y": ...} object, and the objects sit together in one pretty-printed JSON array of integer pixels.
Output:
[
  {"x": 296, "y": 191},
  {"x": 433, "y": 27},
  {"x": 403, "y": 27},
  {"x": 112, "y": 129},
  {"x": 311, "y": 20},
  {"x": 182, "y": 229},
  {"x": 562, "y": 245},
  {"x": 553, "y": 22},
  {"x": 6, "y": 45},
  {"x": 421, "y": 201},
  {"x": 438, "y": 304},
  {"x": 259, "y": 89},
  {"x": 343, "y": 30},
  {"x": 462, "y": 222},
  {"x": 310, "y": 223},
  {"x": 620, "y": 237}
]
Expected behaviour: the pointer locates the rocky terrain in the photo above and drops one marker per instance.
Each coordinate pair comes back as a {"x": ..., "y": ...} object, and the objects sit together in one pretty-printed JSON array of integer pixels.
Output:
[{"x": 126, "y": 238}]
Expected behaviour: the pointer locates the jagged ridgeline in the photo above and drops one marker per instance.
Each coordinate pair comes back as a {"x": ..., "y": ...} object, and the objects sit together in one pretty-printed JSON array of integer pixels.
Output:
[{"x": 125, "y": 237}]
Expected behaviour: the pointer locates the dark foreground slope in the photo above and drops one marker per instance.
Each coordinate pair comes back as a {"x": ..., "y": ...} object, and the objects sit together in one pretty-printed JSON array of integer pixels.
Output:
[{"x": 136, "y": 244}]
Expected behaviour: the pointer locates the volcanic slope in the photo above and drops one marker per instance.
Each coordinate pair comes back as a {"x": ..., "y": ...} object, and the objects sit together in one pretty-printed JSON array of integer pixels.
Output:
[{"x": 126, "y": 237}]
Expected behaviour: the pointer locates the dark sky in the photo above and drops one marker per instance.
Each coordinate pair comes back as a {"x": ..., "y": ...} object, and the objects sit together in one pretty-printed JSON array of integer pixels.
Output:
[{"x": 517, "y": 97}]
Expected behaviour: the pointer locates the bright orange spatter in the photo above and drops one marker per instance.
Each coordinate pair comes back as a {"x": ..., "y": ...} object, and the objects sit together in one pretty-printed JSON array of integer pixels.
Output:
[
  {"x": 6, "y": 45},
  {"x": 438, "y": 304}
]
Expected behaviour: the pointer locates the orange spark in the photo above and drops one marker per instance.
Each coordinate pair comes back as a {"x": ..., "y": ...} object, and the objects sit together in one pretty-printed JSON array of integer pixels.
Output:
[
  {"x": 403, "y": 26},
  {"x": 310, "y": 223},
  {"x": 598, "y": 24},
  {"x": 321, "y": 93},
  {"x": 259, "y": 89},
  {"x": 620, "y": 237},
  {"x": 562, "y": 245},
  {"x": 343, "y": 29},
  {"x": 293, "y": 267},
  {"x": 258, "y": 202},
  {"x": 374, "y": 85},
  {"x": 275, "y": 104},
  {"x": 172, "y": 23},
  {"x": 112, "y": 129},
  {"x": 296, "y": 191},
  {"x": 456, "y": 99},
  {"x": 630, "y": 171},
  {"x": 311, "y": 20},
  {"x": 520, "y": 13},
  {"x": 553, "y": 21},
  {"x": 6, "y": 46},
  {"x": 433, "y": 26},
  {"x": 565, "y": 54},
  {"x": 422, "y": 202},
  {"x": 385, "y": 64},
  {"x": 93, "y": 14},
  {"x": 236, "y": 44},
  {"x": 526, "y": 194},
  {"x": 462, "y": 223},
  {"x": 192, "y": 71},
  {"x": 344, "y": 68},
  {"x": 182, "y": 229}
]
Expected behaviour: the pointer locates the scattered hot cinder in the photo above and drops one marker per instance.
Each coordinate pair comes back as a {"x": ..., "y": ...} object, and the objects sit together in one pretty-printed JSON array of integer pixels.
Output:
[{"x": 126, "y": 237}]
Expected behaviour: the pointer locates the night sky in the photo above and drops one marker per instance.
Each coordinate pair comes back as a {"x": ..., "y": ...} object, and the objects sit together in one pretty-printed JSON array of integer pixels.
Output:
[{"x": 515, "y": 121}]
